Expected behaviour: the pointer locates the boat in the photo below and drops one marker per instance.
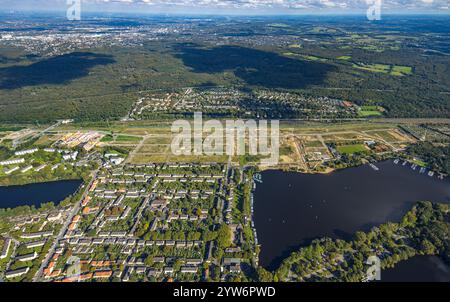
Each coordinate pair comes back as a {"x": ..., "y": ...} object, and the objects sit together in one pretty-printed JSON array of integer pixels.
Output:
[
  {"x": 258, "y": 178},
  {"x": 374, "y": 167}
]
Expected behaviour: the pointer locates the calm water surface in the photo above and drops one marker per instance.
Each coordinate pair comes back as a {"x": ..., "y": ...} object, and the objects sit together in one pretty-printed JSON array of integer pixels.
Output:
[
  {"x": 292, "y": 208},
  {"x": 418, "y": 269},
  {"x": 36, "y": 194}
]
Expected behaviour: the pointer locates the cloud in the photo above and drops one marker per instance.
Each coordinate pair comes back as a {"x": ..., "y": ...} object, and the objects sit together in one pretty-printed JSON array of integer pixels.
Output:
[
  {"x": 266, "y": 5},
  {"x": 286, "y": 4}
]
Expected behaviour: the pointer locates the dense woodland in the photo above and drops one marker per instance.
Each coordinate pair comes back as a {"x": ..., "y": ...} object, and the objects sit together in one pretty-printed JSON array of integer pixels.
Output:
[
  {"x": 402, "y": 68},
  {"x": 438, "y": 157}
]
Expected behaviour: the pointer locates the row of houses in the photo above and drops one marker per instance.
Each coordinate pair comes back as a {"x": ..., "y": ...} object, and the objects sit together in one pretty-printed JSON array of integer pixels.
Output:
[
  {"x": 12, "y": 162},
  {"x": 26, "y": 257},
  {"x": 107, "y": 240},
  {"x": 34, "y": 244},
  {"x": 36, "y": 235},
  {"x": 169, "y": 270},
  {"x": 25, "y": 152},
  {"x": 160, "y": 175},
  {"x": 17, "y": 272},
  {"x": 164, "y": 166},
  {"x": 185, "y": 217},
  {"x": 25, "y": 169},
  {"x": 5, "y": 249}
]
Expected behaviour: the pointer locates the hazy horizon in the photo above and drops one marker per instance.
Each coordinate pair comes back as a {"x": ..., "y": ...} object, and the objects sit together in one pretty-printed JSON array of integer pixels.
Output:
[{"x": 231, "y": 7}]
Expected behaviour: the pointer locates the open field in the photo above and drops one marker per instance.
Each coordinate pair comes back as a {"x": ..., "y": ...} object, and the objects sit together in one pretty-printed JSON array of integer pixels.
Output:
[
  {"x": 394, "y": 70},
  {"x": 303, "y": 144},
  {"x": 368, "y": 111},
  {"x": 350, "y": 149}
]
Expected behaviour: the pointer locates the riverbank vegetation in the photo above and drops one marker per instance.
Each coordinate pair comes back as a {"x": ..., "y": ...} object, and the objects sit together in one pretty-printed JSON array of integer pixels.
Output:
[
  {"x": 66, "y": 172},
  {"x": 437, "y": 157},
  {"x": 422, "y": 231}
]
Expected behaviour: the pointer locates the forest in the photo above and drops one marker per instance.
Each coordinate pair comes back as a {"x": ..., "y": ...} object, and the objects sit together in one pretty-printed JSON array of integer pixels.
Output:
[
  {"x": 438, "y": 157},
  {"x": 403, "y": 70}
]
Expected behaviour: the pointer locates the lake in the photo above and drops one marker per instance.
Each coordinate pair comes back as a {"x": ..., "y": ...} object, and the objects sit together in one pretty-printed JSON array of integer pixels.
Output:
[
  {"x": 418, "y": 269},
  {"x": 291, "y": 209},
  {"x": 36, "y": 194}
]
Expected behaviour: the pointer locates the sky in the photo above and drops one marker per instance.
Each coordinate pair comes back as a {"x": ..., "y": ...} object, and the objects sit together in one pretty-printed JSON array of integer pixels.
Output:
[{"x": 231, "y": 6}]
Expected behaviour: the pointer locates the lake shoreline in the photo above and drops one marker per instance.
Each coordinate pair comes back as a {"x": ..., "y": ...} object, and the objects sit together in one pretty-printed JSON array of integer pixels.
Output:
[
  {"x": 38, "y": 182},
  {"x": 41, "y": 182},
  {"x": 315, "y": 207},
  {"x": 36, "y": 194}
]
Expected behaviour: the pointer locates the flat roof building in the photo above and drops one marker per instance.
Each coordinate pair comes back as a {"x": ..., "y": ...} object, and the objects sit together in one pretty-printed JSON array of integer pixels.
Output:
[
  {"x": 5, "y": 248},
  {"x": 17, "y": 272}
]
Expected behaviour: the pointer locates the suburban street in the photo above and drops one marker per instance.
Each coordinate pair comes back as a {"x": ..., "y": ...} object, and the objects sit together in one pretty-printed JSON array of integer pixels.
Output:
[{"x": 64, "y": 228}]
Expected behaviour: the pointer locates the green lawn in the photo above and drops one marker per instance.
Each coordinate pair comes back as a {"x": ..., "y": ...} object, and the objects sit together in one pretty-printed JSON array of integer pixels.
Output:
[
  {"x": 419, "y": 163},
  {"x": 313, "y": 58},
  {"x": 107, "y": 138},
  {"x": 127, "y": 138},
  {"x": 120, "y": 138},
  {"x": 344, "y": 58},
  {"x": 395, "y": 70},
  {"x": 369, "y": 108},
  {"x": 306, "y": 57},
  {"x": 6, "y": 128},
  {"x": 366, "y": 111},
  {"x": 373, "y": 67},
  {"x": 350, "y": 149},
  {"x": 401, "y": 70}
]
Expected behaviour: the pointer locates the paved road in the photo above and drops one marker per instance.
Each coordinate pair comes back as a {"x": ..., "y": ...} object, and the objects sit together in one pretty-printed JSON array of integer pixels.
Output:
[
  {"x": 136, "y": 150},
  {"x": 62, "y": 232}
]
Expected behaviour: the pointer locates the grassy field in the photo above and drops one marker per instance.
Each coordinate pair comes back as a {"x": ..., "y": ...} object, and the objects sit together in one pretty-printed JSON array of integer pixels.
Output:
[
  {"x": 127, "y": 138},
  {"x": 373, "y": 67},
  {"x": 368, "y": 111},
  {"x": 395, "y": 70},
  {"x": 107, "y": 138},
  {"x": 350, "y": 149},
  {"x": 401, "y": 70},
  {"x": 305, "y": 57},
  {"x": 11, "y": 128},
  {"x": 313, "y": 144},
  {"x": 120, "y": 138},
  {"x": 419, "y": 163},
  {"x": 313, "y": 58}
]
